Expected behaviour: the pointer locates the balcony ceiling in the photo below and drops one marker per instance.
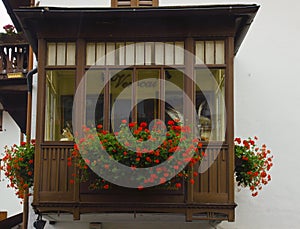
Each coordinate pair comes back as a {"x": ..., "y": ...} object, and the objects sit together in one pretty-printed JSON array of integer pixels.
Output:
[
  {"x": 47, "y": 20},
  {"x": 13, "y": 97}
]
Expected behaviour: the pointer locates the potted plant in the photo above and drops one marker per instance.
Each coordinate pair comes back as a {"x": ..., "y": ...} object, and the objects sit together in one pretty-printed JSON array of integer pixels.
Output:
[
  {"x": 252, "y": 164},
  {"x": 18, "y": 165},
  {"x": 11, "y": 37}
]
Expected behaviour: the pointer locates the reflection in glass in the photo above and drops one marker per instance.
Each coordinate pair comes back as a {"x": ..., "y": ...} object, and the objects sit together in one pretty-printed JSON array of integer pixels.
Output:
[
  {"x": 60, "y": 87},
  {"x": 210, "y": 105}
]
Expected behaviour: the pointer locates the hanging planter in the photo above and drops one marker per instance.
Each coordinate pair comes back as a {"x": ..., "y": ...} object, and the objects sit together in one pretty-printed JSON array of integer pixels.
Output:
[{"x": 252, "y": 164}]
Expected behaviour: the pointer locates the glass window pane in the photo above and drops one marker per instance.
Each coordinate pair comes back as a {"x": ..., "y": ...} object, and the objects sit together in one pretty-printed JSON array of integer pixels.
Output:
[
  {"x": 209, "y": 52},
  {"x": 100, "y": 54},
  {"x": 149, "y": 47},
  {"x": 95, "y": 80},
  {"x": 90, "y": 54},
  {"x": 61, "y": 54},
  {"x": 159, "y": 53},
  {"x": 179, "y": 53},
  {"x": 130, "y": 53},
  {"x": 71, "y": 48},
  {"x": 51, "y": 57},
  {"x": 220, "y": 52},
  {"x": 120, "y": 51},
  {"x": 110, "y": 53},
  {"x": 140, "y": 53},
  {"x": 200, "y": 52},
  {"x": 120, "y": 96},
  {"x": 60, "y": 87},
  {"x": 169, "y": 53},
  {"x": 174, "y": 87},
  {"x": 147, "y": 95},
  {"x": 210, "y": 103}
]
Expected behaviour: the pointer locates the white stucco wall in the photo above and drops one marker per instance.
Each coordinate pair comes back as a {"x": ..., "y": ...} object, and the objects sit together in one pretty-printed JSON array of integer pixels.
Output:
[
  {"x": 9, "y": 136},
  {"x": 266, "y": 104}
]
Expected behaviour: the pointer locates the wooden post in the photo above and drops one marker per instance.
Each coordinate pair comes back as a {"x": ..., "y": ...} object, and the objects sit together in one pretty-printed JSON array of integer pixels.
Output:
[
  {"x": 28, "y": 137},
  {"x": 3, "y": 215}
]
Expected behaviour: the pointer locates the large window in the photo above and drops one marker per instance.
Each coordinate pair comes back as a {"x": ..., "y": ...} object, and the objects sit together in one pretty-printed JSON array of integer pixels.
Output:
[
  {"x": 210, "y": 104},
  {"x": 60, "y": 88},
  {"x": 137, "y": 81}
]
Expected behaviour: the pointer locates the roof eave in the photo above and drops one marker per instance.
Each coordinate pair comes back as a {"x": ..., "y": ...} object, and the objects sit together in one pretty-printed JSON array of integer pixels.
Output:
[{"x": 243, "y": 13}]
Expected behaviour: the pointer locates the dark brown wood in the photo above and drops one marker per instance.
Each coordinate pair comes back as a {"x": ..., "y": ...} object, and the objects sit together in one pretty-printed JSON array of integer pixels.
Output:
[
  {"x": 40, "y": 119},
  {"x": 229, "y": 97},
  {"x": 12, "y": 221}
]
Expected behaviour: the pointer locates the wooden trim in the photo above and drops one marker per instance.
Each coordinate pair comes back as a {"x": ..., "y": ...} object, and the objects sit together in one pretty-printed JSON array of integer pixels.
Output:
[
  {"x": 80, "y": 111},
  {"x": 189, "y": 89},
  {"x": 40, "y": 120},
  {"x": 229, "y": 97}
]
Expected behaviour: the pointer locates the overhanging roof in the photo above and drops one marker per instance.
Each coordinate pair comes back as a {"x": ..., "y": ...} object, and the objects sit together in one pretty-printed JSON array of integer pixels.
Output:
[
  {"x": 15, "y": 4},
  {"x": 34, "y": 18}
]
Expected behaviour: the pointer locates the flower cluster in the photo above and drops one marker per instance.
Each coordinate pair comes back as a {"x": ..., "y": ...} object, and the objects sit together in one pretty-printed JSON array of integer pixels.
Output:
[
  {"x": 172, "y": 138},
  {"x": 252, "y": 164},
  {"x": 18, "y": 164},
  {"x": 9, "y": 29}
]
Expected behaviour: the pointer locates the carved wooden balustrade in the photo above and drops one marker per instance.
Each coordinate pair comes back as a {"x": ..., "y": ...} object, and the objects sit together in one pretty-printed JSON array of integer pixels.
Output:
[
  {"x": 208, "y": 198},
  {"x": 14, "y": 56},
  {"x": 13, "y": 60}
]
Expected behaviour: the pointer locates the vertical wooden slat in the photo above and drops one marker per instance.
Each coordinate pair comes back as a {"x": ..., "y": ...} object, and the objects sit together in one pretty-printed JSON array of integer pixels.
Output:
[{"x": 57, "y": 170}]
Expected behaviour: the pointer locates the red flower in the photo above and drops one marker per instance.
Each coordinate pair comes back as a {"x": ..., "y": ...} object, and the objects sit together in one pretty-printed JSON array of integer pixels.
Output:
[
  {"x": 124, "y": 121},
  {"x": 263, "y": 174},
  {"x": 23, "y": 143},
  {"x": 132, "y": 124},
  {"x": 140, "y": 187},
  {"x": 170, "y": 123},
  {"x": 238, "y": 140},
  {"x": 143, "y": 124},
  {"x": 106, "y": 186},
  {"x": 178, "y": 185}
]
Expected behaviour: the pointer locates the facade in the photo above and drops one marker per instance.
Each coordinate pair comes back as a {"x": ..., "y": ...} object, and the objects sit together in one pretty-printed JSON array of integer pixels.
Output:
[{"x": 246, "y": 205}]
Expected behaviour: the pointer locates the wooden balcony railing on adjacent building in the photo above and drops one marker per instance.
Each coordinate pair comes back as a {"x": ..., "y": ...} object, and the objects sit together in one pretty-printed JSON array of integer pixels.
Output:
[
  {"x": 208, "y": 199},
  {"x": 14, "y": 56}
]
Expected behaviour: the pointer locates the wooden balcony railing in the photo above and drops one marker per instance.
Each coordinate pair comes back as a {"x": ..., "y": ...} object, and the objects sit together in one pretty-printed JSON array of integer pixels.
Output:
[
  {"x": 14, "y": 56},
  {"x": 207, "y": 199},
  {"x": 13, "y": 60}
]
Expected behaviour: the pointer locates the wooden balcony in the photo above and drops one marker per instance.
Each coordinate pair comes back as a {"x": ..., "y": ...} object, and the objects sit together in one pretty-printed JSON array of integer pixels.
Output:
[
  {"x": 208, "y": 199},
  {"x": 14, "y": 54}
]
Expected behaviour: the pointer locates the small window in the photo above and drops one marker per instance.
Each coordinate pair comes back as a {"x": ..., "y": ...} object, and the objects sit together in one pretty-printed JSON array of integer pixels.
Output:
[
  {"x": 61, "y": 54},
  {"x": 210, "y": 52},
  {"x": 134, "y": 3},
  {"x": 135, "y": 53}
]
